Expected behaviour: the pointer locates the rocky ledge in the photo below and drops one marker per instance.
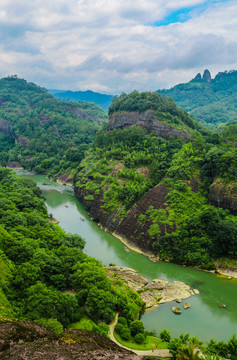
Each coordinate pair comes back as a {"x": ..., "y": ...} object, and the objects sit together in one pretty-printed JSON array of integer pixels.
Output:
[
  {"x": 148, "y": 120},
  {"x": 224, "y": 195},
  {"x": 157, "y": 292},
  {"x": 29, "y": 341}
]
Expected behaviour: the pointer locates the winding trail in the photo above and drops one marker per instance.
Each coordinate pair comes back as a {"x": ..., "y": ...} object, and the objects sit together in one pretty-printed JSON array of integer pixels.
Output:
[{"x": 162, "y": 353}]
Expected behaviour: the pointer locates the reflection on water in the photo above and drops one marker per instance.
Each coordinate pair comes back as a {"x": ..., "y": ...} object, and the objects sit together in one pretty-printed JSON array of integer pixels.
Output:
[{"x": 205, "y": 318}]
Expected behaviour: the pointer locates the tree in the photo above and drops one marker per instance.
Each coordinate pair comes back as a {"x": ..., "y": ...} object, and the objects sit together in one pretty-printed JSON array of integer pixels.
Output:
[
  {"x": 139, "y": 338},
  {"x": 136, "y": 327},
  {"x": 165, "y": 335}
]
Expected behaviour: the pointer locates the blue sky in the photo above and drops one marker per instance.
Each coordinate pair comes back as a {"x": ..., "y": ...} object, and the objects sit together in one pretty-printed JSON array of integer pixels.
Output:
[
  {"x": 186, "y": 13},
  {"x": 116, "y": 45}
]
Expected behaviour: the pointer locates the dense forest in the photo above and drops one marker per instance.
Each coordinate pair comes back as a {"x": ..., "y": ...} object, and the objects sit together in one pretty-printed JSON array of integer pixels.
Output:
[
  {"x": 44, "y": 274},
  {"x": 39, "y": 261},
  {"x": 212, "y": 102},
  {"x": 42, "y": 133},
  {"x": 125, "y": 165}
]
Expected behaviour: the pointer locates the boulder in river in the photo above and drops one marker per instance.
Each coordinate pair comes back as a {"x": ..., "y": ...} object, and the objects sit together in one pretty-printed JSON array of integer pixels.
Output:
[
  {"x": 176, "y": 310},
  {"x": 187, "y": 305}
]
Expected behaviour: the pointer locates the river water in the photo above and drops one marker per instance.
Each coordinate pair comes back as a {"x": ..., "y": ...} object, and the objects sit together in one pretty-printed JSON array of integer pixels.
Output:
[{"x": 205, "y": 319}]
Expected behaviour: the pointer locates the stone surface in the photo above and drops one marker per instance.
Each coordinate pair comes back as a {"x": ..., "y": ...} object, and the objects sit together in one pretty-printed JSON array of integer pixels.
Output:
[
  {"x": 29, "y": 341},
  {"x": 187, "y": 305},
  {"x": 224, "y": 196},
  {"x": 176, "y": 310},
  {"x": 65, "y": 179},
  {"x": 147, "y": 120},
  {"x": 129, "y": 276},
  {"x": 157, "y": 292},
  {"x": 129, "y": 227},
  {"x": 207, "y": 75}
]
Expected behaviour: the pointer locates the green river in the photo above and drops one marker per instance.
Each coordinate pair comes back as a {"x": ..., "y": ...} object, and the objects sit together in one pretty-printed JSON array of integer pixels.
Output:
[{"x": 205, "y": 318}]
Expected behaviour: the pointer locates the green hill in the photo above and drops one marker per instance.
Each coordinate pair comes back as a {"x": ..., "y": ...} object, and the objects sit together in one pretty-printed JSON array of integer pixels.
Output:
[
  {"x": 145, "y": 181},
  {"x": 42, "y": 133},
  {"x": 212, "y": 102}
]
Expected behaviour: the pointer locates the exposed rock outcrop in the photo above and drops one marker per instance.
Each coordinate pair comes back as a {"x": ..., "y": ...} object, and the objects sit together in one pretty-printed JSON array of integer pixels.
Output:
[
  {"x": 14, "y": 165},
  {"x": 198, "y": 76},
  {"x": 5, "y": 127},
  {"x": 65, "y": 179},
  {"x": 147, "y": 120},
  {"x": 224, "y": 196},
  {"x": 27, "y": 340},
  {"x": 82, "y": 114},
  {"x": 207, "y": 75},
  {"x": 159, "y": 291},
  {"x": 130, "y": 226},
  {"x": 131, "y": 277}
]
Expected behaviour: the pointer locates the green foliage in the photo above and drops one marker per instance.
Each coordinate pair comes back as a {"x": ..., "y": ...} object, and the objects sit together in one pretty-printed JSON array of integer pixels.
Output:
[
  {"x": 139, "y": 338},
  {"x": 51, "y": 135},
  {"x": 165, "y": 335},
  {"x": 116, "y": 165},
  {"x": 166, "y": 109},
  {"x": 125, "y": 333},
  {"x": 38, "y": 261},
  {"x": 136, "y": 327},
  {"x": 213, "y": 103},
  {"x": 52, "y": 325}
]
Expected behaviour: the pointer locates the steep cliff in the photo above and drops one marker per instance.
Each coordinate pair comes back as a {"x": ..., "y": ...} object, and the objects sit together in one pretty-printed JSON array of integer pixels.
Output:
[
  {"x": 224, "y": 195},
  {"x": 146, "y": 181},
  {"x": 147, "y": 120}
]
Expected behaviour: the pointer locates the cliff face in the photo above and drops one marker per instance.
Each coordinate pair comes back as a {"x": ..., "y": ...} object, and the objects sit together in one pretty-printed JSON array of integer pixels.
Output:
[
  {"x": 131, "y": 227},
  {"x": 147, "y": 120},
  {"x": 224, "y": 196},
  {"x": 5, "y": 127}
]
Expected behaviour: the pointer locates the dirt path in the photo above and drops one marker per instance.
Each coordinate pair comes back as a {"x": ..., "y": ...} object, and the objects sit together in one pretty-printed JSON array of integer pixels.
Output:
[{"x": 162, "y": 353}]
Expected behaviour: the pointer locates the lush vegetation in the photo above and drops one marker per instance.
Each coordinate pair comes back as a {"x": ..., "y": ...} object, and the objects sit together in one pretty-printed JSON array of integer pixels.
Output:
[
  {"x": 124, "y": 165},
  {"x": 166, "y": 109},
  {"x": 191, "y": 348},
  {"x": 38, "y": 260},
  {"x": 132, "y": 154},
  {"x": 213, "y": 103},
  {"x": 42, "y": 133}
]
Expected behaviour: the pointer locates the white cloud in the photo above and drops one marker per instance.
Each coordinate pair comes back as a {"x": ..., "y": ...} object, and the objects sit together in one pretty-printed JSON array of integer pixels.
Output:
[{"x": 108, "y": 45}]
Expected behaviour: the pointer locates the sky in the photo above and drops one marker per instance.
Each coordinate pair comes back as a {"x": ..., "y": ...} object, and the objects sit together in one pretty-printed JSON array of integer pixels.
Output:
[{"x": 111, "y": 46}]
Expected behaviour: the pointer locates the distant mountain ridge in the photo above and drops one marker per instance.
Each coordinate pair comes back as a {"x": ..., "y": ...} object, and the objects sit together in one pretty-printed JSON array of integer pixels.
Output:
[
  {"x": 102, "y": 100},
  {"x": 212, "y": 102}
]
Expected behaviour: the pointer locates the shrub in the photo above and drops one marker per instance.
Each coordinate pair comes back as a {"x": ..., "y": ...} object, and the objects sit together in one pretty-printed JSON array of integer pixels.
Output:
[
  {"x": 165, "y": 335},
  {"x": 137, "y": 327},
  {"x": 125, "y": 333},
  {"x": 122, "y": 320},
  {"x": 139, "y": 338}
]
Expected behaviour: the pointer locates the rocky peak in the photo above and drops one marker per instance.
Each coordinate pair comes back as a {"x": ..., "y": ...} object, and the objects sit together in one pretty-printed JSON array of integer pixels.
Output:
[
  {"x": 198, "y": 77},
  {"x": 207, "y": 75}
]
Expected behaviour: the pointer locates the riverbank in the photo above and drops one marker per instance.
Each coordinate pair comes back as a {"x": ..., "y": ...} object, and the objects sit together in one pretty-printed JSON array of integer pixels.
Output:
[
  {"x": 223, "y": 270},
  {"x": 205, "y": 315}
]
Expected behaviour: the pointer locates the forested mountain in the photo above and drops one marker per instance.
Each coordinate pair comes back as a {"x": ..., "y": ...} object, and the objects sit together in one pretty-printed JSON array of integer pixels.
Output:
[
  {"x": 43, "y": 133},
  {"x": 152, "y": 176},
  {"x": 102, "y": 100},
  {"x": 38, "y": 261},
  {"x": 212, "y": 102}
]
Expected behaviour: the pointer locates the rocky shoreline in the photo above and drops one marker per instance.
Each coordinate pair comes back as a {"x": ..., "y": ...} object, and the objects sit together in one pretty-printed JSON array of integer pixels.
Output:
[{"x": 159, "y": 291}]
